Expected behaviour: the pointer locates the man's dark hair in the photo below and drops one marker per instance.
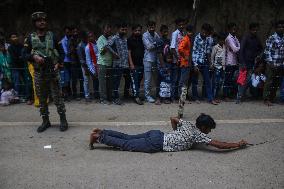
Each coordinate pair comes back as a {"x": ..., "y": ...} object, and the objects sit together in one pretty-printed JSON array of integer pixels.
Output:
[
  {"x": 163, "y": 27},
  {"x": 121, "y": 25},
  {"x": 151, "y": 23},
  {"x": 83, "y": 35},
  {"x": 279, "y": 22},
  {"x": 13, "y": 33},
  {"x": 221, "y": 36},
  {"x": 253, "y": 25},
  {"x": 206, "y": 27},
  {"x": 106, "y": 25},
  {"x": 231, "y": 25},
  {"x": 179, "y": 20},
  {"x": 67, "y": 28},
  {"x": 206, "y": 121},
  {"x": 135, "y": 26},
  {"x": 189, "y": 28}
]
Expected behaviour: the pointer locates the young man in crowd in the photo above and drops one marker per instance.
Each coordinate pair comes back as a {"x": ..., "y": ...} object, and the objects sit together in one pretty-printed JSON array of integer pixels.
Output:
[
  {"x": 75, "y": 66},
  {"x": 117, "y": 45},
  {"x": 184, "y": 50},
  {"x": 232, "y": 46},
  {"x": 19, "y": 69},
  {"x": 43, "y": 50},
  {"x": 82, "y": 59},
  {"x": 251, "y": 48},
  {"x": 274, "y": 57},
  {"x": 184, "y": 135},
  {"x": 65, "y": 72},
  {"x": 177, "y": 36},
  {"x": 199, "y": 60},
  {"x": 135, "y": 55},
  {"x": 166, "y": 74},
  {"x": 152, "y": 43},
  {"x": 105, "y": 65},
  {"x": 91, "y": 53}
]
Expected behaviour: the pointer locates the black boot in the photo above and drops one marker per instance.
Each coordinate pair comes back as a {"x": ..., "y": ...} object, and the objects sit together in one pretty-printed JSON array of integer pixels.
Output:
[
  {"x": 45, "y": 124},
  {"x": 63, "y": 122}
]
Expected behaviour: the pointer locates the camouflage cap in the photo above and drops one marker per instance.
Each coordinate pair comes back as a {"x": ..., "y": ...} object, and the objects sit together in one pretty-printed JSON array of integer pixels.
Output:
[{"x": 38, "y": 15}]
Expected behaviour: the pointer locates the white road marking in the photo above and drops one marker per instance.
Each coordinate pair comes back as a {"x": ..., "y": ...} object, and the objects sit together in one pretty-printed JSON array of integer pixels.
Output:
[{"x": 144, "y": 123}]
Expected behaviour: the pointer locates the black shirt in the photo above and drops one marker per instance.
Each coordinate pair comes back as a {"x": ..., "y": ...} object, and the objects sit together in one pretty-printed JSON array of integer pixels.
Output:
[
  {"x": 136, "y": 46},
  {"x": 15, "y": 51},
  {"x": 251, "y": 47}
]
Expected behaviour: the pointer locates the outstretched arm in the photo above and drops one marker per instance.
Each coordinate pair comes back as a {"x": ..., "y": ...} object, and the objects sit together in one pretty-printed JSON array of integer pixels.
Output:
[{"x": 227, "y": 145}]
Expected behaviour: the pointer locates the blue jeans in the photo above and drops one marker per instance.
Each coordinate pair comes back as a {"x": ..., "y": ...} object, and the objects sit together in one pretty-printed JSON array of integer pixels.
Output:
[
  {"x": 204, "y": 70},
  {"x": 65, "y": 77},
  {"x": 150, "y": 67},
  {"x": 184, "y": 75},
  {"x": 23, "y": 89},
  {"x": 282, "y": 90},
  {"x": 136, "y": 78},
  {"x": 149, "y": 142},
  {"x": 117, "y": 74},
  {"x": 217, "y": 81},
  {"x": 86, "y": 82}
]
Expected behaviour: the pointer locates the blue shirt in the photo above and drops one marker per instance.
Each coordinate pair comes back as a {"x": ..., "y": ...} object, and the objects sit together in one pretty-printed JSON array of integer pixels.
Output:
[
  {"x": 274, "y": 50},
  {"x": 150, "y": 44},
  {"x": 199, "y": 51},
  {"x": 65, "y": 46},
  {"x": 89, "y": 60}
]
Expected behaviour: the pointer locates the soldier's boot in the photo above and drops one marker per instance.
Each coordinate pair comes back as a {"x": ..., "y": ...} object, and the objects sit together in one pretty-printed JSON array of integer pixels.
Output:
[
  {"x": 63, "y": 122},
  {"x": 45, "y": 124}
]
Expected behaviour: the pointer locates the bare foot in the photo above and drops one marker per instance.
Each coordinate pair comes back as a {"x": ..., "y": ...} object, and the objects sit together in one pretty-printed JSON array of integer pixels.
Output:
[
  {"x": 158, "y": 102},
  {"x": 93, "y": 139}
]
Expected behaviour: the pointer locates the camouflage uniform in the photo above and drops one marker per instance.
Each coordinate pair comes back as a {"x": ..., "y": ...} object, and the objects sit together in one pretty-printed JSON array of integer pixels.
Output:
[{"x": 45, "y": 77}]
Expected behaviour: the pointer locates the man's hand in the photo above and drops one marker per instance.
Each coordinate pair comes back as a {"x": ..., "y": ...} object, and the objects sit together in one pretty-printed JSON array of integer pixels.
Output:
[
  {"x": 196, "y": 69},
  {"x": 116, "y": 56},
  {"x": 38, "y": 59},
  {"x": 174, "y": 122},
  {"x": 58, "y": 66},
  {"x": 242, "y": 143},
  {"x": 132, "y": 67}
]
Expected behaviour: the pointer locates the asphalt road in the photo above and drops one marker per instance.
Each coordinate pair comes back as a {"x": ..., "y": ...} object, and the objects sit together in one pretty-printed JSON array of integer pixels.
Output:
[{"x": 24, "y": 163}]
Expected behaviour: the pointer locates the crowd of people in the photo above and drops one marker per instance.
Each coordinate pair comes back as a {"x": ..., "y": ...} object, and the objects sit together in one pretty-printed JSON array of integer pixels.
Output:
[{"x": 228, "y": 66}]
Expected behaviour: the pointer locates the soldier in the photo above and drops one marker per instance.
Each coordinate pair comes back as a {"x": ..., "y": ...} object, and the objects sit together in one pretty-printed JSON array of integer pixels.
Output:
[{"x": 42, "y": 49}]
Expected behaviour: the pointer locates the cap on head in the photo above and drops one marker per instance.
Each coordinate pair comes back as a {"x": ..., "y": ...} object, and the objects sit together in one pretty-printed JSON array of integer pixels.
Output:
[{"x": 38, "y": 15}]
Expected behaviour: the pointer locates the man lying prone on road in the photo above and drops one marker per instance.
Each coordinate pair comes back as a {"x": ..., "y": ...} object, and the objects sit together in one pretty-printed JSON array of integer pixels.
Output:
[{"x": 183, "y": 136}]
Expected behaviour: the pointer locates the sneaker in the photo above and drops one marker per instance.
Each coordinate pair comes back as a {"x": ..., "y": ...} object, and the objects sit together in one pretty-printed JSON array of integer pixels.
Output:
[
  {"x": 138, "y": 101},
  {"x": 117, "y": 101},
  {"x": 150, "y": 99}
]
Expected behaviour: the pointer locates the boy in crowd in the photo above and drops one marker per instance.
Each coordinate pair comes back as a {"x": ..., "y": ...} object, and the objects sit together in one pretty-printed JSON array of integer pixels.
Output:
[
  {"x": 91, "y": 53},
  {"x": 217, "y": 64},
  {"x": 184, "y": 50}
]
